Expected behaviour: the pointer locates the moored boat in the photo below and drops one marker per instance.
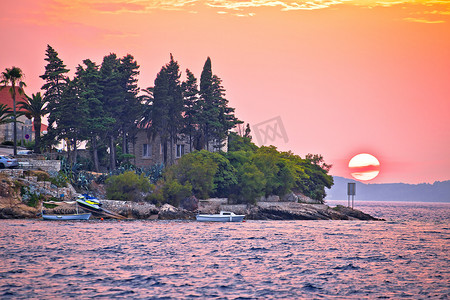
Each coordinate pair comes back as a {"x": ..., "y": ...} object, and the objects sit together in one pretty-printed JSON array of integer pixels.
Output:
[
  {"x": 89, "y": 203},
  {"x": 66, "y": 217},
  {"x": 223, "y": 216}
]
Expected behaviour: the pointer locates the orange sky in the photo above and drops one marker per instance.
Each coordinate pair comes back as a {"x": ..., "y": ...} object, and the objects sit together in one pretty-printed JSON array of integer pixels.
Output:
[{"x": 344, "y": 77}]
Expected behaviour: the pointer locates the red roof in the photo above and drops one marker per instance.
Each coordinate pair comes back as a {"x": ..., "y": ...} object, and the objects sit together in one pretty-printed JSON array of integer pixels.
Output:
[
  {"x": 44, "y": 127},
  {"x": 6, "y": 98}
]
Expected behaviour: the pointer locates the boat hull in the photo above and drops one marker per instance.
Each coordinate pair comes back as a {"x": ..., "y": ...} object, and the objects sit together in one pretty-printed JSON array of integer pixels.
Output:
[
  {"x": 220, "y": 218},
  {"x": 67, "y": 217}
]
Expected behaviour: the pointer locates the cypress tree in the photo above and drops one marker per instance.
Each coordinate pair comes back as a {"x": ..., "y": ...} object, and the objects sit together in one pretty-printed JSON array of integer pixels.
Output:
[{"x": 215, "y": 118}]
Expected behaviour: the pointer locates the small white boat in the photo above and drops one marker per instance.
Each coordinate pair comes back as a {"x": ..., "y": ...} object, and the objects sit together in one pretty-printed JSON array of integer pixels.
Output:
[
  {"x": 66, "y": 217},
  {"x": 224, "y": 216}
]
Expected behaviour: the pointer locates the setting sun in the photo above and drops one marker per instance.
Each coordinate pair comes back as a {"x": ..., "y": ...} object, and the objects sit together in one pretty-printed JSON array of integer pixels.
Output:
[{"x": 364, "y": 166}]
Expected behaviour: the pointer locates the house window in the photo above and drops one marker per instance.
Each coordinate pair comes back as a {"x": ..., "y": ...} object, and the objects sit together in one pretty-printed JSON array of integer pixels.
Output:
[
  {"x": 146, "y": 150},
  {"x": 180, "y": 150}
]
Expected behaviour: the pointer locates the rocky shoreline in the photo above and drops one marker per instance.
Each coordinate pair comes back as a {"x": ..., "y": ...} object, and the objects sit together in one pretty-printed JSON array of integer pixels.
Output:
[
  {"x": 290, "y": 207},
  {"x": 146, "y": 211}
]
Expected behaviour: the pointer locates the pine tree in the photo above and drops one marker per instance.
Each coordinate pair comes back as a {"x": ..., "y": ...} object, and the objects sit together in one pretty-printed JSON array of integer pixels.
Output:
[
  {"x": 128, "y": 118},
  {"x": 215, "y": 118},
  {"x": 120, "y": 101},
  {"x": 70, "y": 117},
  {"x": 90, "y": 91},
  {"x": 55, "y": 81},
  {"x": 167, "y": 107},
  {"x": 208, "y": 112},
  {"x": 190, "y": 96}
]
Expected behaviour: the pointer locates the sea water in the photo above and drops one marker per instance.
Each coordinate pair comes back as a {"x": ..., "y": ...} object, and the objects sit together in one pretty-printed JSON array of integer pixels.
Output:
[{"x": 406, "y": 256}]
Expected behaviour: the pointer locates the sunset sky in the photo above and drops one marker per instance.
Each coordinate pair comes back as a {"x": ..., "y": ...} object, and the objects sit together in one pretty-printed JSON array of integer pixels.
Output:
[{"x": 343, "y": 77}]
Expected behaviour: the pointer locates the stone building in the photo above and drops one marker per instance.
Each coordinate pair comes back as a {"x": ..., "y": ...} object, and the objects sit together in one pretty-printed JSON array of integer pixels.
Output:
[{"x": 149, "y": 151}]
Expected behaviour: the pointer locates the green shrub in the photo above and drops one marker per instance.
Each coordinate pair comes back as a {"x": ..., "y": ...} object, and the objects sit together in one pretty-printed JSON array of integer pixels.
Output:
[
  {"x": 60, "y": 180},
  {"x": 41, "y": 175},
  {"x": 8, "y": 143},
  {"x": 173, "y": 192},
  {"x": 197, "y": 169},
  {"x": 128, "y": 187}
]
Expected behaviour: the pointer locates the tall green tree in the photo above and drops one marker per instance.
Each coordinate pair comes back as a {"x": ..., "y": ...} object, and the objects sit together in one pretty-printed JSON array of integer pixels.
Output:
[
  {"x": 97, "y": 121},
  {"x": 215, "y": 117},
  {"x": 226, "y": 118},
  {"x": 128, "y": 118},
  {"x": 167, "y": 108},
  {"x": 118, "y": 79},
  {"x": 190, "y": 111},
  {"x": 70, "y": 118},
  {"x": 55, "y": 81},
  {"x": 208, "y": 112},
  {"x": 13, "y": 76},
  {"x": 35, "y": 107}
]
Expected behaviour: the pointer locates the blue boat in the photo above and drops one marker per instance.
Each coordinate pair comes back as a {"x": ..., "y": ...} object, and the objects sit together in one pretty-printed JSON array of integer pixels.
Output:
[
  {"x": 223, "y": 216},
  {"x": 67, "y": 217}
]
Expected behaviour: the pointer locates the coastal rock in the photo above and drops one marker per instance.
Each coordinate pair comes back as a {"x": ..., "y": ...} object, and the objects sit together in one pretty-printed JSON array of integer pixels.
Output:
[
  {"x": 131, "y": 209},
  {"x": 189, "y": 203},
  {"x": 18, "y": 212},
  {"x": 300, "y": 211},
  {"x": 305, "y": 199},
  {"x": 291, "y": 197},
  {"x": 270, "y": 198},
  {"x": 354, "y": 214},
  {"x": 169, "y": 212}
]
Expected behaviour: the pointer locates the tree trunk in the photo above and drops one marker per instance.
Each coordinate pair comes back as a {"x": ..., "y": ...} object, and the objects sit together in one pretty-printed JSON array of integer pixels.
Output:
[
  {"x": 37, "y": 135},
  {"x": 164, "y": 145},
  {"x": 112, "y": 153},
  {"x": 69, "y": 156},
  {"x": 124, "y": 141},
  {"x": 171, "y": 161},
  {"x": 75, "y": 151},
  {"x": 95, "y": 154},
  {"x": 15, "y": 120}
]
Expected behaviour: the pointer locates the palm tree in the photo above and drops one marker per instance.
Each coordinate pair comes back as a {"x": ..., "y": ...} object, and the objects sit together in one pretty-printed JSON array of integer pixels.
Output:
[
  {"x": 5, "y": 114},
  {"x": 13, "y": 77},
  {"x": 35, "y": 107}
]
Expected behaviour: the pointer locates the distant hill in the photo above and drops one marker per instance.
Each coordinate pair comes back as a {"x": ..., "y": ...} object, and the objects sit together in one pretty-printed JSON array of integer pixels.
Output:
[{"x": 439, "y": 191}]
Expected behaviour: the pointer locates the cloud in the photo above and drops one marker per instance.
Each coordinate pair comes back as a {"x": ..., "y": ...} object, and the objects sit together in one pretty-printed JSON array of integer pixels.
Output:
[
  {"x": 283, "y": 5},
  {"x": 118, "y": 7},
  {"x": 423, "y": 21}
]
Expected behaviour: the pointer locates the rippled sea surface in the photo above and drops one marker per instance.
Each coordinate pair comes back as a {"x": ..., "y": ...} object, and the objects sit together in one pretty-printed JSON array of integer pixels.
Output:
[{"x": 405, "y": 257}]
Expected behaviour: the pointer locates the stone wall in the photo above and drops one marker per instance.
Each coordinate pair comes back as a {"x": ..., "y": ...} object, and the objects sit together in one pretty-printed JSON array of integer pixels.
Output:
[
  {"x": 39, "y": 164},
  {"x": 239, "y": 209},
  {"x": 12, "y": 172}
]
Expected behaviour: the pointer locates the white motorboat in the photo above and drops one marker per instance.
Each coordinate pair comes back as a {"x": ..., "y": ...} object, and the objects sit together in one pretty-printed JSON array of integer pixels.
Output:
[{"x": 223, "y": 216}]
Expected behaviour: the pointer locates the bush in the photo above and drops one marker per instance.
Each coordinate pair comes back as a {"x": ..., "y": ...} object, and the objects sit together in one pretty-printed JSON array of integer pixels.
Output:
[
  {"x": 128, "y": 187},
  {"x": 198, "y": 170},
  {"x": 173, "y": 192},
  {"x": 8, "y": 143},
  {"x": 41, "y": 175},
  {"x": 60, "y": 180}
]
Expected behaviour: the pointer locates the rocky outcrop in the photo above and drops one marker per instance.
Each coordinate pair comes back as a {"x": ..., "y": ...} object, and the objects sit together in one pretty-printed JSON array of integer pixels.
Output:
[
  {"x": 299, "y": 211},
  {"x": 169, "y": 212},
  {"x": 130, "y": 209},
  {"x": 189, "y": 203}
]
